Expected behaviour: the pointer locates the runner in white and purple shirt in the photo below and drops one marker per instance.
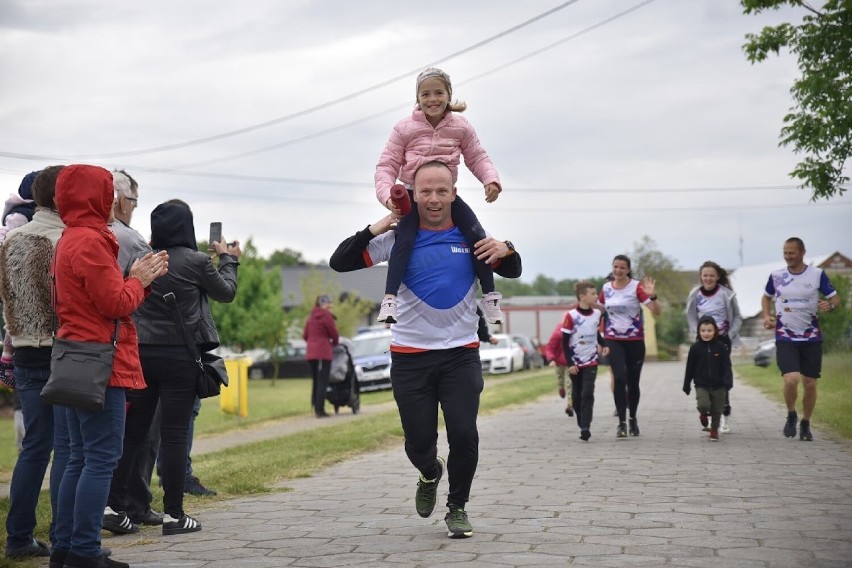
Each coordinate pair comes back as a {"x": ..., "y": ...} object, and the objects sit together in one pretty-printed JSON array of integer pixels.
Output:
[{"x": 795, "y": 293}]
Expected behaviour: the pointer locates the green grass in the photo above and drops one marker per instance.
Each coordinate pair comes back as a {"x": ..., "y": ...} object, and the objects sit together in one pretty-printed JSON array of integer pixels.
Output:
[
  {"x": 834, "y": 390},
  {"x": 256, "y": 468}
]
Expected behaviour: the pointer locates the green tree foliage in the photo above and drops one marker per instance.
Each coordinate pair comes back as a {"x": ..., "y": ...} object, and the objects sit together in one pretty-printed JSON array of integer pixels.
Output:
[
  {"x": 647, "y": 260},
  {"x": 671, "y": 329},
  {"x": 349, "y": 309},
  {"x": 285, "y": 257},
  {"x": 835, "y": 325},
  {"x": 819, "y": 125},
  {"x": 255, "y": 317}
]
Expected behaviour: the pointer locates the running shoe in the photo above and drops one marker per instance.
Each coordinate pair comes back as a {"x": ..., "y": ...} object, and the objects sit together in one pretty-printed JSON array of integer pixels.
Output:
[
  {"x": 458, "y": 526},
  {"x": 790, "y": 426},
  {"x": 585, "y": 434},
  {"x": 387, "y": 311},
  {"x": 117, "y": 522},
  {"x": 705, "y": 423},
  {"x": 621, "y": 432},
  {"x": 427, "y": 492},
  {"x": 725, "y": 425},
  {"x": 491, "y": 307},
  {"x": 634, "y": 427},
  {"x": 714, "y": 435},
  {"x": 185, "y": 524},
  {"x": 805, "y": 431}
]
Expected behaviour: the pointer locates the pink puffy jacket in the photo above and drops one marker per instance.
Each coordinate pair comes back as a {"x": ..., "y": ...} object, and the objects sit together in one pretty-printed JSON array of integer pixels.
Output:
[{"x": 414, "y": 141}]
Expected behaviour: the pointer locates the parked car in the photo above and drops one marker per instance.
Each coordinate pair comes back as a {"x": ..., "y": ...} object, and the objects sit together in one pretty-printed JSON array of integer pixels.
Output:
[
  {"x": 372, "y": 358},
  {"x": 504, "y": 356},
  {"x": 532, "y": 356},
  {"x": 764, "y": 355},
  {"x": 291, "y": 362}
]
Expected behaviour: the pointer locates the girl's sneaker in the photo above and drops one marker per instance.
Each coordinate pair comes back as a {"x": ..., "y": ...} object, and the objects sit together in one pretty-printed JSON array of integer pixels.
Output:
[
  {"x": 185, "y": 524},
  {"x": 491, "y": 307},
  {"x": 387, "y": 311},
  {"x": 621, "y": 432}
]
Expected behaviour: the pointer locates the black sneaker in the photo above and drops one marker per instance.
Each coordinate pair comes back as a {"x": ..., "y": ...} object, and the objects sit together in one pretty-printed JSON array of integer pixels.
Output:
[
  {"x": 458, "y": 525},
  {"x": 193, "y": 486},
  {"x": 34, "y": 549},
  {"x": 74, "y": 561},
  {"x": 634, "y": 427},
  {"x": 427, "y": 492},
  {"x": 621, "y": 432},
  {"x": 185, "y": 524},
  {"x": 117, "y": 522},
  {"x": 805, "y": 431},
  {"x": 790, "y": 426},
  {"x": 151, "y": 517},
  {"x": 57, "y": 558},
  {"x": 585, "y": 434}
]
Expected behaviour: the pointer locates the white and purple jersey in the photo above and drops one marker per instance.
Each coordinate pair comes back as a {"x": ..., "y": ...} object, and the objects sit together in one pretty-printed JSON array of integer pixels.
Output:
[
  {"x": 436, "y": 304},
  {"x": 583, "y": 341},
  {"x": 714, "y": 305},
  {"x": 797, "y": 302},
  {"x": 623, "y": 311}
]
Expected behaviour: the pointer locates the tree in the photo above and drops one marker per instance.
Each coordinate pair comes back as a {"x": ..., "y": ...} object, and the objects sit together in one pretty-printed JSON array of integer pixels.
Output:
[
  {"x": 835, "y": 325},
  {"x": 255, "y": 318},
  {"x": 285, "y": 257},
  {"x": 647, "y": 260},
  {"x": 349, "y": 309},
  {"x": 819, "y": 125}
]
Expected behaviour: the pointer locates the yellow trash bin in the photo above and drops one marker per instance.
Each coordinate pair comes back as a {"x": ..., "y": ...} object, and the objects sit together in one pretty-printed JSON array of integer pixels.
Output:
[{"x": 234, "y": 398}]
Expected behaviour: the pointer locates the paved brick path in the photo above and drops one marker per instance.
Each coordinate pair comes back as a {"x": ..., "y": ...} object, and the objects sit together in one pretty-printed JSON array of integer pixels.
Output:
[{"x": 543, "y": 497}]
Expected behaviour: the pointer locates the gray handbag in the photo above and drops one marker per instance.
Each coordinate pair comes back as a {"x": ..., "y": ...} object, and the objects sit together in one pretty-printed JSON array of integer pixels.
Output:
[{"x": 79, "y": 373}]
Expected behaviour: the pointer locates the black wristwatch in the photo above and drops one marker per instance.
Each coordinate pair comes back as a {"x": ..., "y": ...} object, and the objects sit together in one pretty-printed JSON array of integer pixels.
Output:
[
  {"x": 511, "y": 248},
  {"x": 653, "y": 297}
]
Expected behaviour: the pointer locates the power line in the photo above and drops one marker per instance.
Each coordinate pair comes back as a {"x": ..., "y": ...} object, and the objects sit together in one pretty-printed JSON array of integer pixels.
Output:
[
  {"x": 330, "y": 103},
  {"x": 331, "y": 130}
]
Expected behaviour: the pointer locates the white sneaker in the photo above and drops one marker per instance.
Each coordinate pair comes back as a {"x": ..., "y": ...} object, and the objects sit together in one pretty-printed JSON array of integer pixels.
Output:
[
  {"x": 491, "y": 307},
  {"x": 387, "y": 312},
  {"x": 724, "y": 424}
]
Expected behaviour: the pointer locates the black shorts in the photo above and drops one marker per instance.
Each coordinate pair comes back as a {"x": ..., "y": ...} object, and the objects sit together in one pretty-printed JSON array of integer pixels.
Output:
[{"x": 803, "y": 357}]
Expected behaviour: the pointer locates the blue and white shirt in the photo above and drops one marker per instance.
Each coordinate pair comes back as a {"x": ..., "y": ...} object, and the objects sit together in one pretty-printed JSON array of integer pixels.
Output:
[
  {"x": 797, "y": 302},
  {"x": 436, "y": 304}
]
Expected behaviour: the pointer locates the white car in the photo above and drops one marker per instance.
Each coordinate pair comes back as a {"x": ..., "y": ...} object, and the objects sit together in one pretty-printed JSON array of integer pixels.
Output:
[{"x": 504, "y": 356}]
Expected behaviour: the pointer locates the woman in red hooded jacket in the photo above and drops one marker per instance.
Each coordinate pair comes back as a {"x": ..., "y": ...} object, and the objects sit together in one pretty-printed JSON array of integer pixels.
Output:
[
  {"x": 91, "y": 295},
  {"x": 321, "y": 335}
]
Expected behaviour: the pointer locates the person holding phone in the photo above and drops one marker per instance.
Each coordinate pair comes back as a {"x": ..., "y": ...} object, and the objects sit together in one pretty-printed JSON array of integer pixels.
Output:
[{"x": 170, "y": 369}]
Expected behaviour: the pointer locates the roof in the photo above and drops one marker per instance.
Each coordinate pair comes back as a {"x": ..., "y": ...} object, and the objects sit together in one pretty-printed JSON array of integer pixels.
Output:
[
  {"x": 368, "y": 284},
  {"x": 749, "y": 282}
]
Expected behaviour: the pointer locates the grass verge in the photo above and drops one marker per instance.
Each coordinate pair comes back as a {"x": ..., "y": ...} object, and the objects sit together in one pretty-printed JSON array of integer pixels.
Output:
[
  {"x": 834, "y": 395},
  {"x": 257, "y": 468}
]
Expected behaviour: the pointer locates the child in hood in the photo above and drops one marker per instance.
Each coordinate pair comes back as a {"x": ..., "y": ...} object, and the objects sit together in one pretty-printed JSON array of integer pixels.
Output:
[{"x": 709, "y": 367}]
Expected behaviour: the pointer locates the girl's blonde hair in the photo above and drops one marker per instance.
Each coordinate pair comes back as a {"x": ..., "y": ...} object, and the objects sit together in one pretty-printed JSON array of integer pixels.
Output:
[{"x": 435, "y": 73}]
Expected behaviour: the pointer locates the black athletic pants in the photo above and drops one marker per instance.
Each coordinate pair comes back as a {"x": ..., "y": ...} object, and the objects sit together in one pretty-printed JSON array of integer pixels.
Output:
[{"x": 625, "y": 363}]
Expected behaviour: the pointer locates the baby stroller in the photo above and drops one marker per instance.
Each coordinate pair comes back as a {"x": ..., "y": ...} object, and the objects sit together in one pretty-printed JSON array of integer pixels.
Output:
[{"x": 343, "y": 387}]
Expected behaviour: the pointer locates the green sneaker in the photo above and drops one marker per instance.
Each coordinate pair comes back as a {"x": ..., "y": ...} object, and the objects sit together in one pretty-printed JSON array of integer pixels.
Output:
[
  {"x": 427, "y": 492},
  {"x": 457, "y": 524}
]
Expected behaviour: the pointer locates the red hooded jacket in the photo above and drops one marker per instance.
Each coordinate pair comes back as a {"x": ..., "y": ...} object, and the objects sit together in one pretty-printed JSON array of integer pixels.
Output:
[
  {"x": 91, "y": 292},
  {"x": 320, "y": 334},
  {"x": 553, "y": 349}
]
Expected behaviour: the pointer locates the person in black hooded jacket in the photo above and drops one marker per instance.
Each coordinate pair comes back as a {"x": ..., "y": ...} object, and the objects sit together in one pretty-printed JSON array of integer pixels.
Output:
[
  {"x": 169, "y": 367},
  {"x": 709, "y": 367}
]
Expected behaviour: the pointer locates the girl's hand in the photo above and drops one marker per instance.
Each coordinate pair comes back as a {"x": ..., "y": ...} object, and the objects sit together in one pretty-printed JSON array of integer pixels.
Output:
[
  {"x": 648, "y": 285},
  {"x": 573, "y": 370},
  {"x": 492, "y": 192},
  {"x": 389, "y": 204}
]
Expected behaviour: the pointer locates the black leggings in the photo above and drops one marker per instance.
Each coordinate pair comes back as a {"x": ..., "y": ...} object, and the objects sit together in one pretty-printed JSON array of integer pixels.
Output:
[
  {"x": 625, "y": 363},
  {"x": 463, "y": 217},
  {"x": 453, "y": 379},
  {"x": 320, "y": 370},
  {"x": 171, "y": 383}
]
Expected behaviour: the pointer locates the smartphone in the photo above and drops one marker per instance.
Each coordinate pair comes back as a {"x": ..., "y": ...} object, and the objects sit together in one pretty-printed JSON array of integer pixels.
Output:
[{"x": 215, "y": 234}]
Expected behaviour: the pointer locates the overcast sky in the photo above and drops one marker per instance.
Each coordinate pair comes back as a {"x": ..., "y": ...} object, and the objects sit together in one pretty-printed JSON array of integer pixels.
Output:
[{"x": 652, "y": 123}]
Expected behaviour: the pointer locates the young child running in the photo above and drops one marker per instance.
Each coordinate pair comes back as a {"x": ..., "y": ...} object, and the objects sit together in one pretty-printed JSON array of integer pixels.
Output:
[
  {"x": 582, "y": 342},
  {"x": 715, "y": 297},
  {"x": 435, "y": 132},
  {"x": 709, "y": 367}
]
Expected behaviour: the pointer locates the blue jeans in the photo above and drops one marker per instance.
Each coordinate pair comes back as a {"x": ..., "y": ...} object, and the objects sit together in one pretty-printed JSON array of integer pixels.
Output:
[
  {"x": 32, "y": 462},
  {"x": 96, "y": 444},
  {"x": 31, "y": 466}
]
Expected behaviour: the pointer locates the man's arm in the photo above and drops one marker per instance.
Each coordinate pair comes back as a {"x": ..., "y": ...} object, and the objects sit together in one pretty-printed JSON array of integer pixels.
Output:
[
  {"x": 766, "y": 305},
  {"x": 350, "y": 255},
  {"x": 506, "y": 262}
]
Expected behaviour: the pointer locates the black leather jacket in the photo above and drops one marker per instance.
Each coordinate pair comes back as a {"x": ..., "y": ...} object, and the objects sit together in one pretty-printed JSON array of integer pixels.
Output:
[{"x": 192, "y": 278}]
